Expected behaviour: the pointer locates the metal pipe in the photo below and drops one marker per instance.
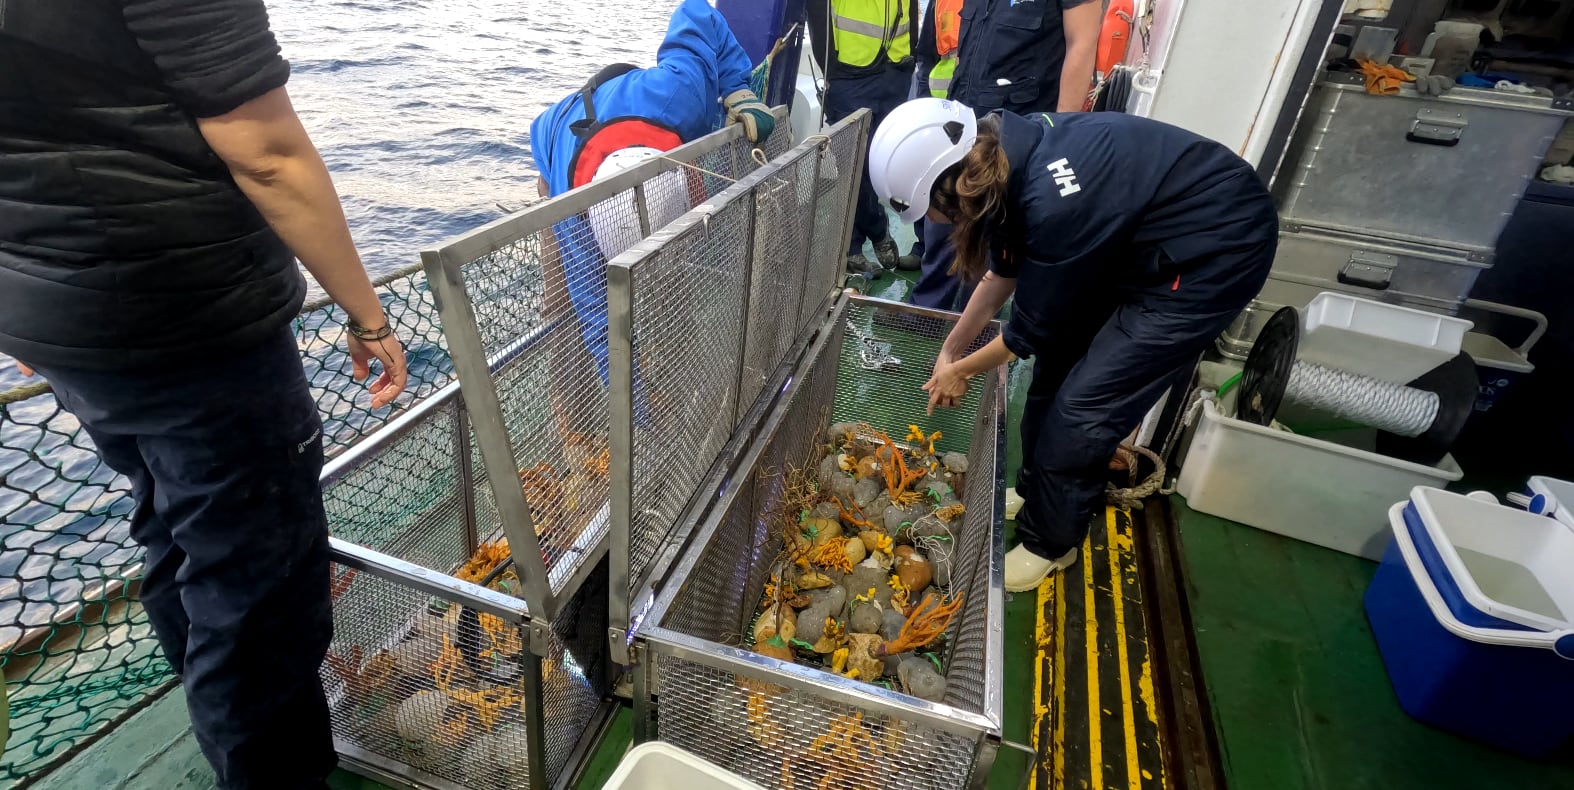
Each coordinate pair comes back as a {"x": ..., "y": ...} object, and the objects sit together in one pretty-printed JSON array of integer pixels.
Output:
[
  {"x": 426, "y": 580},
  {"x": 491, "y": 429},
  {"x": 500, "y": 233},
  {"x": 466, "y": 479},
  {"x": 820, "y": 683},
  {"x": 351, "y": 459},
  {"x": 620, "y": 445}
]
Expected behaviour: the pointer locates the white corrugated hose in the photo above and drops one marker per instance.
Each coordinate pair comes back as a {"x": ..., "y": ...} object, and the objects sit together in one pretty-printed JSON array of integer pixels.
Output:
[{"x": 1395, "y": 408}]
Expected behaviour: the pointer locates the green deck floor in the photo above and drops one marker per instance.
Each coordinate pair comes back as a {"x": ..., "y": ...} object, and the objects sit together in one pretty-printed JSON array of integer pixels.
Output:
[{"x": 1299, "y": 695}]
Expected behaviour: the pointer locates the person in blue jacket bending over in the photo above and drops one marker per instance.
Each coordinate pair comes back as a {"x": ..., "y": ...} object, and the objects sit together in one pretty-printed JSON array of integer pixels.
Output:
[
  {"x": 624, "y": 115},
  {"x": 1130, "y": 244}
]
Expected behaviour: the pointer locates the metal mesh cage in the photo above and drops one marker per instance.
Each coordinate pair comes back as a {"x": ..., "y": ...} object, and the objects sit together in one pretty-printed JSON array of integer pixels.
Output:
[
  {"x": 410, "y": 491},
  {"x": 705, "y": 314},
  {"x": 709, "y": 694},
  {"x": 764, "y": 737},
  {"x": 524, "y": 306},
  {"x": 836, "y": 188},
  {"x": 433, "y": 681}
]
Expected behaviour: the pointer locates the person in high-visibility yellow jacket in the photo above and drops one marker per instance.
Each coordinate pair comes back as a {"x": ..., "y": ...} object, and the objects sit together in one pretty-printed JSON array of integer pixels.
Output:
[
  {"x": 865, "y": 50},
  {"x": 936, "y": 53}
]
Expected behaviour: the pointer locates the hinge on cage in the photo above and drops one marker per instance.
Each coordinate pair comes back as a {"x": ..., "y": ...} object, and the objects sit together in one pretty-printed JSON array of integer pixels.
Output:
[
  {"x": 622, "y": 653},
  {"x": 540, "y": 639}
]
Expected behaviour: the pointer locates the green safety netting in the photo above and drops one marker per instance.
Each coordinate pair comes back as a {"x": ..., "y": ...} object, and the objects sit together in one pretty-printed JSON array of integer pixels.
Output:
[{"x": 78, "y": 652}]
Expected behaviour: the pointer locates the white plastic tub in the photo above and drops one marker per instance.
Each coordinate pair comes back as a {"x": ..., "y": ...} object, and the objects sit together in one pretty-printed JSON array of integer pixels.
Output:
[
  {"x": 1304, "y": 488},
  {"x": 1382, "y": 341},
  {"x": 1508, "y": 563},
  {"x": 661, "y": 766}
]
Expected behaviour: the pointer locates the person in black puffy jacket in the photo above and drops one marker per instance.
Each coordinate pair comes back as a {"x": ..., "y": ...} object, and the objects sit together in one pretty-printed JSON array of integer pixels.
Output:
[
  {"x": 157, "y": 189},
  {"x": 1130, "y": 245}
]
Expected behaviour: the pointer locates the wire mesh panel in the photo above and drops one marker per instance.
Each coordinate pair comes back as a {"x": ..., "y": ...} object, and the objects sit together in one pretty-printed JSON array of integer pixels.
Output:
[
  {"x": 524, "y": 302},
  {"x": 434, "y": 680},
  {"x": 410, "y": 492},
  {"x": 841, "y": 169},
  {"x": 785, "y": 724},
  {"x": 783, "y": 212},
  {"x": 704, "y": 315},
  {"x": 686, "y": 341},
  {"x": 790, "y": 738}
]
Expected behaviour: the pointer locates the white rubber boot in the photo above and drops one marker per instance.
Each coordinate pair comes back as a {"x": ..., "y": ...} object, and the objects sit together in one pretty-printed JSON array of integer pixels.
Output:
[
  {"x": 1026, "y": 571},
  {"x": 1013, "y": 504}
]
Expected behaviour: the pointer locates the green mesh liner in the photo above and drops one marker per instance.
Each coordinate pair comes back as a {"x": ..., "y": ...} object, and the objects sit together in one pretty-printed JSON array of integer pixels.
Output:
[{"x": 78, "y": 652}]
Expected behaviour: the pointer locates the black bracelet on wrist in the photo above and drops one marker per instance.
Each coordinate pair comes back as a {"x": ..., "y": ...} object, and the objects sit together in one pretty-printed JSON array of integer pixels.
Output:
[{"x": 368, "y": 334}]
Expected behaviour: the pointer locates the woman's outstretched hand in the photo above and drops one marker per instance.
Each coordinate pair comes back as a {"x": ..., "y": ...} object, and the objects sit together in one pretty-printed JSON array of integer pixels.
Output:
[{"x": 946, "y": 387}]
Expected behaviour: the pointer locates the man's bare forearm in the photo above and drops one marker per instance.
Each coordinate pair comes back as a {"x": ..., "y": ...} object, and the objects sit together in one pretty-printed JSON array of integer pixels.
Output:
[
  {"x": 299, "y": 202},
  {"x": 275, "y": 164},
  {"x": 1081, "y": 24}
]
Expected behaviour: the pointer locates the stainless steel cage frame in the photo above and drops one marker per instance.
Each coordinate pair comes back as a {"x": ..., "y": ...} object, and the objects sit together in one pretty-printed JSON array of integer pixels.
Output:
[
  {"x": 704, "y": 314},
  {"x": 694, "y": 677},
  {"x": 410, "y": 490},
  {"x": 380, "y": 605},
  {"x": 512, "y": 335}
]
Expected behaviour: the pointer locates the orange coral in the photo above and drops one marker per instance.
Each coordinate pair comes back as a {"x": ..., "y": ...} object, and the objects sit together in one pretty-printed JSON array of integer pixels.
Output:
[
  {"x": 894, "y": 463},
  {"x": 599, "y": 457},
  {"x": 858, "y": 520},
  {"x": 360, "y": 680},
  {"x": 924, "y": 625},
  {"x": 483, "y": 561},
  {"x": 543, "y": 493},
  {"x": 448, "y": 665},
  {"x": 833, "y": 554},
  {"x": 841, "y": 752},
  {"x": 505, "y": 640},
  {"x": 916, "y": 434}
]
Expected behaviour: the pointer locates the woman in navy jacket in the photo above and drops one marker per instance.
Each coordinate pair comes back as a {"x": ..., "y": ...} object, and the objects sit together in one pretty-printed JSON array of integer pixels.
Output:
[{"x": 1130, "y": 245}]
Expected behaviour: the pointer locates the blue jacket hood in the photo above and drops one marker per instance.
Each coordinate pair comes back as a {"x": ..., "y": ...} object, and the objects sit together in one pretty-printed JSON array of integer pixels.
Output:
[{"x": 698, "y": 64}]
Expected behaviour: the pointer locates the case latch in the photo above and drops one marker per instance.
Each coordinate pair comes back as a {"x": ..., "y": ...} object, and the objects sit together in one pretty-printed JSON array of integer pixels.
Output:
[
  {"x": 1374, "y": 270},
  {"x": 1434, "y": 126}
]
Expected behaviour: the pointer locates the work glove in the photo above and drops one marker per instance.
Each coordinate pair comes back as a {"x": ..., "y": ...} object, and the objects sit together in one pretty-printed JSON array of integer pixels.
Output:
[
  {"x": 1434, "y": 85},
  {"x": 746, "y": 108}
]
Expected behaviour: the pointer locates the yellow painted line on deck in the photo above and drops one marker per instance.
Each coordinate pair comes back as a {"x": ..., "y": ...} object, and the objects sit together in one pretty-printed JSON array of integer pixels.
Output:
[
  {"x": 1145, "y": 690},
  {"x": 1041, "y": 639},
  {"x": 1119, "y": 544},
  {"x": 1095, "y": 711},
  {"x": 1060, "y": 685}
]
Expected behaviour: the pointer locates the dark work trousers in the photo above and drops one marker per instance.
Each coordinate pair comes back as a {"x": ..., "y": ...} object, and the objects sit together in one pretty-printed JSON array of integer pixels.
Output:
[
  {"x": 1095, "y": 380},
  {"x": 937, "y": 288},
  {"x": 223, "y": 456},
  {"x": 881, "y": 93}
]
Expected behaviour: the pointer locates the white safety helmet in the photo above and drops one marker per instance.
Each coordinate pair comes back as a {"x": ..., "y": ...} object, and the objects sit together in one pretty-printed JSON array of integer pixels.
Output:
[
  {"x": 615, "y": 222},
  {"x": 913, "y": 146}
]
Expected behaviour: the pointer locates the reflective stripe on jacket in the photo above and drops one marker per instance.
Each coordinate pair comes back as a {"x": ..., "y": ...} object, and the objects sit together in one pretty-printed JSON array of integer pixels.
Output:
[{"x": 865, "y": 28}]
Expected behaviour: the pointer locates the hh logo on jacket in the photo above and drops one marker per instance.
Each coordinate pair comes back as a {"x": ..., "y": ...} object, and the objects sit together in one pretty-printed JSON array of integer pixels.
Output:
[{"x": 1065, "y": 177}]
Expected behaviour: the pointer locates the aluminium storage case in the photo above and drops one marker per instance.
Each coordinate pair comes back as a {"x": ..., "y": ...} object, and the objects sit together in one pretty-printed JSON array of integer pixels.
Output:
[
  {"x": 1401, "y": 198},
  {"x": 701, "y": 689}
]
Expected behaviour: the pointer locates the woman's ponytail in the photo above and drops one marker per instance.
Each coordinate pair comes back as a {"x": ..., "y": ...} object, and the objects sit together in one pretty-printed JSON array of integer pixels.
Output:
[{"x": 973, "y": 194}]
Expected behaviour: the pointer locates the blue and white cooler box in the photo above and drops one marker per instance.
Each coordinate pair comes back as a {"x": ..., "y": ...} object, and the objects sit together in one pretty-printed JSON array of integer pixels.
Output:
[{"x": 1473, "y": 611}]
